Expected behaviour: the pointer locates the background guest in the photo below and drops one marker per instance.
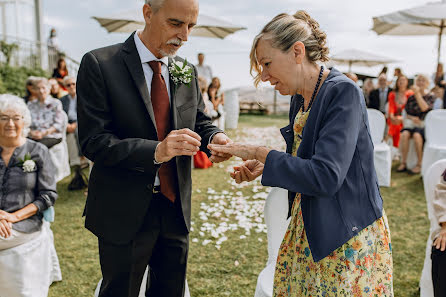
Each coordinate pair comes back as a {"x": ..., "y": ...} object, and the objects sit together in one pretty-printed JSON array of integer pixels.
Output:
[
  {"x": 439, "y": 76},
  {"x": 47, "y": 116},
  {"x": 367, "y": 88},
  {"x": 30, "y": 90},
  {"x": 396, "y": 73},
  {"x": 61, "y": 71},
  {"x": 439, "y": 239},
  {"x": 218, "y": 100},
  {"x": 397, "y": 102},
  {"x": 380, "y": 97},
  {"x": 29, "y": 187},
  {"x": 203, "y": 70},
  {"x": 438, "y": 93},
  {"x": 417, "y": 106},
  {"x": 56, "y": 91}
]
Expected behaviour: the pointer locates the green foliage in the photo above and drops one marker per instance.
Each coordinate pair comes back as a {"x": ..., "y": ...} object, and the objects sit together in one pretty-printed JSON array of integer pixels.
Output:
[
  {"x": 7, "y": 50},
  {"x": 13, "y": 79}
]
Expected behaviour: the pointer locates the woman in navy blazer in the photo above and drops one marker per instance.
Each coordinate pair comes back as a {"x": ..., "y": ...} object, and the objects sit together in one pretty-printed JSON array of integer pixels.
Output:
[{"x": 338, "y": 240}]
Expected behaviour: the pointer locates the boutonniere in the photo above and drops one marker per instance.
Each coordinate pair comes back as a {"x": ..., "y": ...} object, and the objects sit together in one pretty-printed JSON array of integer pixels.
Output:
[
  {"x": 27, "y": 164},
  {"x": 181, "y": 73}
]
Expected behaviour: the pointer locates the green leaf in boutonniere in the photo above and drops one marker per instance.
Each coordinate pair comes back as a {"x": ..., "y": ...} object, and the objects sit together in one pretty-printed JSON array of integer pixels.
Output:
[{"x": 181, "y": 73}]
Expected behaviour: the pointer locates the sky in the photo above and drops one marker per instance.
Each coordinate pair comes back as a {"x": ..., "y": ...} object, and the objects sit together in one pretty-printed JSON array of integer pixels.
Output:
[{"x": 347, "y": 23}]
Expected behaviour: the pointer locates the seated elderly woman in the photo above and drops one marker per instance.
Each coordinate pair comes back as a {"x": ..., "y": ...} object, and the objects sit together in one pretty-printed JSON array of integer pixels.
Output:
[
  {"x": 28, "y": 185},
  {"x": 47, "y": 115},
  {"x": 417, "y": 107},
  {"x": 26, "y": 170}
]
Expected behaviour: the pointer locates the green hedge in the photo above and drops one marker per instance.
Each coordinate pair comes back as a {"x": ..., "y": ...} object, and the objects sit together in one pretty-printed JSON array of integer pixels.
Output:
[{"x": 13, "y": 79}]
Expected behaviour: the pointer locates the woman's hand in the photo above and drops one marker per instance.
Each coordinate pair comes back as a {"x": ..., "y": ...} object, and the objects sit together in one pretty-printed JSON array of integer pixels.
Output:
[
  {"x": 36, "y": 135},
  {"x": 440, "y": 241},
  {"x": 5, "y": 228},
  {"x": 9, "y": 217},
  {"x": 248, "y": 171},
  {"x": 244, "y": 151}
]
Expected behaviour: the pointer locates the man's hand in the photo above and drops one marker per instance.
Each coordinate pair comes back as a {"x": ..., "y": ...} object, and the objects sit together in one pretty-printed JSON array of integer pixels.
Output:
[
  {"x": 182, "y": 142},
  {"x": 8, "y": 216},
  {"x": 223, "y": 139},
  {"x": 248, "y": 171},
  {"x": 440, "y": 241},
  {"x": 71, "y": 127},
  {"x": 5, "y": 228}
]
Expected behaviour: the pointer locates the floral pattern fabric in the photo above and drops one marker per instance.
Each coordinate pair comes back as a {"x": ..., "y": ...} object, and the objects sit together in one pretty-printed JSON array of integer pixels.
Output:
[
  {"x": 46, "y": 115},
  {"x": 360, "y": 267}
]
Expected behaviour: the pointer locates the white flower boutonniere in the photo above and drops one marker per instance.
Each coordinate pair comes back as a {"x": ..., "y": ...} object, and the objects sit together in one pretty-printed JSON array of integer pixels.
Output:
[
  {"x": 27, "y": 164},
  {"x": 181, "y": 73}
]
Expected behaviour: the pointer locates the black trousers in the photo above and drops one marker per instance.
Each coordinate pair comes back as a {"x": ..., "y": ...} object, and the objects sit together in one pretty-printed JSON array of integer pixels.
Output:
[
  {"x": 162, "y": 244},
  {"x": 439, "y": 272}
]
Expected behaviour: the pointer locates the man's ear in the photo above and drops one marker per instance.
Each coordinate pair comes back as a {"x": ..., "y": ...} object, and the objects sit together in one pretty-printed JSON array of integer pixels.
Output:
[{"x": 147, "y": 12}]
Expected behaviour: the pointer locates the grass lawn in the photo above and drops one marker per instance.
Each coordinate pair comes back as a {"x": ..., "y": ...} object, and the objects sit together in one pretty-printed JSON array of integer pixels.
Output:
[{"x": 229, "y": 266}]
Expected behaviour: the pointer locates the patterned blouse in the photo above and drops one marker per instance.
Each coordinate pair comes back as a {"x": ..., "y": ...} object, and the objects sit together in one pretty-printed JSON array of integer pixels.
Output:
[
  {"x": 20, "y": 188},
  {"x": 46, "y": 115},
  {"x": 413, "y": 109}
]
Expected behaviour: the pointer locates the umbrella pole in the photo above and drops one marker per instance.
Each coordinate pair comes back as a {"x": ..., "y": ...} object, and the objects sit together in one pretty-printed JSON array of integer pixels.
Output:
[
  {"x": 439, "y": 41},
  {"x": 350, "y": 66}
]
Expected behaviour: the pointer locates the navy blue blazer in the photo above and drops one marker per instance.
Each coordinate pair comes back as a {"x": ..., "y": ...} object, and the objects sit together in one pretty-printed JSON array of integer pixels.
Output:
[{"x": 334, "y": 168}]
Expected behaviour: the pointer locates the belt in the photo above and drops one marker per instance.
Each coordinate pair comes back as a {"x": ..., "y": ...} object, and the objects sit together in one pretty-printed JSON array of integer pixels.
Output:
[{"x": 156, "y": 189}]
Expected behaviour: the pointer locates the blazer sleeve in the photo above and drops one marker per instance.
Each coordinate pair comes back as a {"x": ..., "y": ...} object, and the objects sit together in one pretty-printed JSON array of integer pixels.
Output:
[
  {"x": 203, "y": 123},
  {"x": 325, "y": 172},
  {"x": 95, "y": 123}
]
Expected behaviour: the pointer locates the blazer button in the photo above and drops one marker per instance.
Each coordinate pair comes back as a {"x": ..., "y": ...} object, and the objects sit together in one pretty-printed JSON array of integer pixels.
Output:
[{"x": 354, "y": 229}]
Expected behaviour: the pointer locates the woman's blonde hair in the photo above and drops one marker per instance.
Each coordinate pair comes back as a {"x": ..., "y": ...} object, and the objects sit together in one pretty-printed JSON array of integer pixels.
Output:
[{"x": 284, "y": 30}]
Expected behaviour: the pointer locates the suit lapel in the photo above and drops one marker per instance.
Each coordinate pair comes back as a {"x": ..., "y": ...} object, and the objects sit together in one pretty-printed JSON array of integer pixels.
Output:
[
  {"x": 173, "y": 93},
  {"x": 134, "y": 66}
]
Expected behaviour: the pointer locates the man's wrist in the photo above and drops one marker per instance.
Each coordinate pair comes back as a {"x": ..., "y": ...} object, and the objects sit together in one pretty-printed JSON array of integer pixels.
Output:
[
  {"x": 213, "y": 135},
  {"x": 155, "y": 161}
]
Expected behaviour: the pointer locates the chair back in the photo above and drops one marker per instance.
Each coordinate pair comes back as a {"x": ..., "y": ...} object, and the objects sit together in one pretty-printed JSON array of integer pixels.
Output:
[
  {"x": 377, "y": 125},
  {"x": 435, "y": 124},
  {"x": 276, "y": 212}
]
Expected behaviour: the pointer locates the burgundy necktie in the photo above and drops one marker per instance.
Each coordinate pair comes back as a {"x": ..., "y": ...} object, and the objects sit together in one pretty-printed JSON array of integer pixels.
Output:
[{"x": 161, "y": 109}]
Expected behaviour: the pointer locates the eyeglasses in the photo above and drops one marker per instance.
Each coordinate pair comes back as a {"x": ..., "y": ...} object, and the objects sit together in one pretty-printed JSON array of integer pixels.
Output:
[
  {"x": 70, "y": 84},
  {"x": 6, "y": 119}
]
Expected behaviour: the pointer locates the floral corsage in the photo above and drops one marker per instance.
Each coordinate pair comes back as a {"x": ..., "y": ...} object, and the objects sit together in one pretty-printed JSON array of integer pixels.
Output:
[
  {"x": 181, "y": 73},
  {"x": 27, "y": 164}
]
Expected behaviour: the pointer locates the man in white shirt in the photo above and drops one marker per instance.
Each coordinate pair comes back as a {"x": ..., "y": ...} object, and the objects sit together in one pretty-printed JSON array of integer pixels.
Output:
[{"x": 203, "y": 70}]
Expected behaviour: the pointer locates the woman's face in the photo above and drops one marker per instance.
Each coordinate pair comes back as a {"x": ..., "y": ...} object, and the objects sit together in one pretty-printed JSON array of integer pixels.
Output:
[
  {"x": 11, "y": 124},
  {"x": 279, "y": 68},
  {"x": 42, "y": 91},
  {"x": 422, "y": 82},
  {"x": 402, "y": 83},
  {"x": 62, "y": 64}
]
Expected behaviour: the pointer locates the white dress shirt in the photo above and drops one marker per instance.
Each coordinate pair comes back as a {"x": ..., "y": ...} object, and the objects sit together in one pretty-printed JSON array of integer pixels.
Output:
[{"x": 146, "y": 56}]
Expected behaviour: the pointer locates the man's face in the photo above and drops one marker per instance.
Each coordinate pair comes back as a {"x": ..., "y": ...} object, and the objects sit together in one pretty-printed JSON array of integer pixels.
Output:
[
  {"x": 168, "y": 28},
  {"x": 200, "y": 59},
  {"x": 71, "y": 87},
  {"x": 382, "y": 81}
]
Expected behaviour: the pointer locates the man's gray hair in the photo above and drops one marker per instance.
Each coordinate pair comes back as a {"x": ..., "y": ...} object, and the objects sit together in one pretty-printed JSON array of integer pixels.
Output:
[
  {"x": 67, "y": 78},
  {"x": 155, "y": 4},
  {"x": 10, "y": 102}
]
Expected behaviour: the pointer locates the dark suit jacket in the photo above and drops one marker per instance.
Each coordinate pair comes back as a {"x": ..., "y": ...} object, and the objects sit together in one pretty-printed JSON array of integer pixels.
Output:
[
  {"x": 334, "y": 168},
  {"x": 117, "y": 132},
  {"x": 374, "y": 98}
]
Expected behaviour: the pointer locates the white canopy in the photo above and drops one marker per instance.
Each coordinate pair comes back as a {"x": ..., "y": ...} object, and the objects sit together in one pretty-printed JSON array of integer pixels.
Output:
[
  {"x": 429, "y": 19},
  {"x": 131, "y": 20},
  {"x": 360, "y": 58}
]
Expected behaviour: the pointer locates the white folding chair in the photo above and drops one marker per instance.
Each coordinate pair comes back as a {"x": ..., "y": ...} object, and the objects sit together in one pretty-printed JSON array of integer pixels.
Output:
[
  {"x": 381, "y": 152},
  {"x": 276, "y": 211},
  {"x": 142, "y": 290},
  {"x": 59, "y": 154},
  {"x": 431, "y": 179},
  {"x": 435, "y": 134}
]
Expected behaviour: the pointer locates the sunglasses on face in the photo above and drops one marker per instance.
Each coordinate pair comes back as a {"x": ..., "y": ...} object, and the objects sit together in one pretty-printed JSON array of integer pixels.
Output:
[{"x": 70, "y": 84}]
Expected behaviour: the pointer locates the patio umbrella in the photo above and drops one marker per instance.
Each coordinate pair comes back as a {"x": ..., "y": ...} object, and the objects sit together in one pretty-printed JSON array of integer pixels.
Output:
[
  {"x": 429, "y": 19},
  {"x": 131, "y": 20},
  {"x": 360, "y": 58}
]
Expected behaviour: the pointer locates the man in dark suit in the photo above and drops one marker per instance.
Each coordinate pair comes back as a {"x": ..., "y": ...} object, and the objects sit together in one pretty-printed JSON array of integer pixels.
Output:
[
  {"x": 379, "y": 97},
  {"x": 140, "y": 126}
]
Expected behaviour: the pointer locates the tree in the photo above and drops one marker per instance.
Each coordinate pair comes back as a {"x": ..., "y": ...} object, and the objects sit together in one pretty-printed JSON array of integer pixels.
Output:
[{"x": 7, "y": 50}]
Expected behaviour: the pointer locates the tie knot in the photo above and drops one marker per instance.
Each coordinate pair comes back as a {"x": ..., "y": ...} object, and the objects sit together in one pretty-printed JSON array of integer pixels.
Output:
[{"x": 156, "y": 66}]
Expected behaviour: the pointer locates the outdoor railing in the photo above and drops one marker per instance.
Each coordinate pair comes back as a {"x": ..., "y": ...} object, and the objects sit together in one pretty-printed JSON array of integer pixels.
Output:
[{"x": 34, "y": 54}]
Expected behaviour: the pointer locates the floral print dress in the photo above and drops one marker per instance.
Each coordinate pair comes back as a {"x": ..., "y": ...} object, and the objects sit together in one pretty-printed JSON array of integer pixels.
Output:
[{"x": 360, "y": 267}]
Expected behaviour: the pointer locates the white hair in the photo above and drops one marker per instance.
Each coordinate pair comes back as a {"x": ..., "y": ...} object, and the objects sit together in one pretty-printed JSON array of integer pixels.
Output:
[
  {"x": 155, "y": 4},
  {"x": 10, "y": 102},
  {"x": 67, "y": 78},
  {"x": 45, "y": 81}
]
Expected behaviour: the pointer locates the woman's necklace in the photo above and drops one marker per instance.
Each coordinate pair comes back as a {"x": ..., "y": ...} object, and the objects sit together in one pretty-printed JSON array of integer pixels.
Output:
[{"x": 314, "y": 92}]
